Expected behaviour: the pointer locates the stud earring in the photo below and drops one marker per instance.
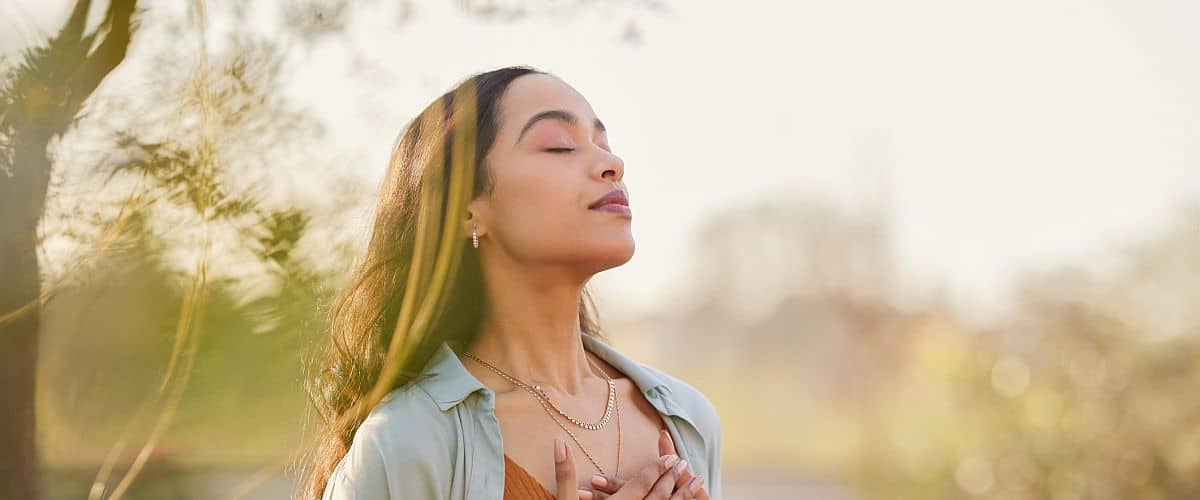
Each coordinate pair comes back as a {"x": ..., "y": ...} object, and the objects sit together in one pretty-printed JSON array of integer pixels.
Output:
[{"x": 474, "y": 239}]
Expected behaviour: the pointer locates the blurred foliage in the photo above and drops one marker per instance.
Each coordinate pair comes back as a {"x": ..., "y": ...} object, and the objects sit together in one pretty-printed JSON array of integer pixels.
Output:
[
  {"x": 107, "y": 346},
  {"x": 313, "y": 20},
  {"x": 1076, "y": 393},
  {"x": 204, "y": 253}
]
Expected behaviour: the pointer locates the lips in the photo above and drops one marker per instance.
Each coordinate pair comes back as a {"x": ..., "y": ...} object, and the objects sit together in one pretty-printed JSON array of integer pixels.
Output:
[{"x": 614, "y": 197}]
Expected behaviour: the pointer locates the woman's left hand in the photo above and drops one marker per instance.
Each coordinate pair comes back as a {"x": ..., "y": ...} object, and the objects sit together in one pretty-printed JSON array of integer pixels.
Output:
[{"x": 687, "y": 487}]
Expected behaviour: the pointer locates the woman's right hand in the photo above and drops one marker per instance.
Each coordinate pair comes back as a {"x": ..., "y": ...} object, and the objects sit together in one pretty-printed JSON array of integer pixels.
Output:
[
  {"x": 656, "y": 481},
  {"x": 687, "y": 485}
]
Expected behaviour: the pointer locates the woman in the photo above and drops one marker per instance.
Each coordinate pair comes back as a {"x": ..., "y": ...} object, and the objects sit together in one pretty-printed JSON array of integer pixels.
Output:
[{"x": 465, "y": 360}]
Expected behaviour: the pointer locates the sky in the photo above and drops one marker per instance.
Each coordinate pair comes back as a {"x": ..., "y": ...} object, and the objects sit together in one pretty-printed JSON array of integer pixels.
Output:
[{"x": 995, "y": 137}]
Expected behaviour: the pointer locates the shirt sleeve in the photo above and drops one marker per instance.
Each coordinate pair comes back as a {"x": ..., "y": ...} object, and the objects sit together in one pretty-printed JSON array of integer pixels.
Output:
[
  {"x": 707, "y": 421},
  {"x": 388, "y": 461},
  {"x": 360, "y": 475},
  {"x": 713, "y": 480}
]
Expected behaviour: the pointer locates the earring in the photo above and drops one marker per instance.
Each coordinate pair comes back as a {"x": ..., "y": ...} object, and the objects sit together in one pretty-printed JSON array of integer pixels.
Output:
[{"x": 474, "y": 239}]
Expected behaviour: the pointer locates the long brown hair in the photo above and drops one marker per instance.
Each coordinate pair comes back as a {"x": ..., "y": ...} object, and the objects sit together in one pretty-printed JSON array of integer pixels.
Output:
[{"x": 419, "y": 282}]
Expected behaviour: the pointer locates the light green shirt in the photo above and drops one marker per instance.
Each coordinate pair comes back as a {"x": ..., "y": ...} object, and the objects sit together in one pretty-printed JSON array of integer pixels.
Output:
[{"x": 438, "y": 437}]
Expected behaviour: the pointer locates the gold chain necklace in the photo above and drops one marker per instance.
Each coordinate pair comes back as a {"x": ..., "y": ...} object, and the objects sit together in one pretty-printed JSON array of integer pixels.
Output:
[
  {"x": 612, "y": 403},
  {"x": 612, "y": 395},
  {"x": 543, "y": 398}
]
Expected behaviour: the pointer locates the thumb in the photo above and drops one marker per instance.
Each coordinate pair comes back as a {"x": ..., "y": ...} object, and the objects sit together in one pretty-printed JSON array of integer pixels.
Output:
[
  {"x": 564, "y": 472},
  {"x": 665, "y": 445}
]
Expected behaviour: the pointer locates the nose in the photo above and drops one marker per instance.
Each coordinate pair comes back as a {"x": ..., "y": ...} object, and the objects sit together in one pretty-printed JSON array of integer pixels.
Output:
[{"x": 610, "y": 163}]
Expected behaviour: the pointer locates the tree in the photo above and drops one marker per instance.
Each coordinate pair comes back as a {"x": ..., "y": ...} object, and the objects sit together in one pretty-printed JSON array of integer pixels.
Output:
[{"x": 41, "y": 98}]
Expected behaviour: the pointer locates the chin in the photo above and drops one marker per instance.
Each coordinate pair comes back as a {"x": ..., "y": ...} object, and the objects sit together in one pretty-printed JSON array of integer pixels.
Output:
[
  {"x": 612, "y": 256},
  {"x": 623, "y": 255}
]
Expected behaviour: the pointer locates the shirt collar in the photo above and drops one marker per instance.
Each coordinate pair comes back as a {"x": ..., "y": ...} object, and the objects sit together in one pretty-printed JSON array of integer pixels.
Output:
[{"x": 449, "y": 382}]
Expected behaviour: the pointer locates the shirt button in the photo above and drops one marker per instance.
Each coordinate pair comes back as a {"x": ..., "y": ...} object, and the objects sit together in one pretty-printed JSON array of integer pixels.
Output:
[{"x": 652, "y": 393}]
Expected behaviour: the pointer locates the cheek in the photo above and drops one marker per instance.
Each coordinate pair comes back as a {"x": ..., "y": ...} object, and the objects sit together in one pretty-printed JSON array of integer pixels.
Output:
[{"x": 543, "y": 204}]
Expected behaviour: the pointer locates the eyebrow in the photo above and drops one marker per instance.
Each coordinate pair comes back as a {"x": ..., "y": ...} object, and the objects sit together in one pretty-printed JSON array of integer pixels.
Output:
[{"x": 555, "y": 114}]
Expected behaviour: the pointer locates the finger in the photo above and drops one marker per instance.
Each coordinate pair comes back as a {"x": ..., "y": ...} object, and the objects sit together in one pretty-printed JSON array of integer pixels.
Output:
[
  {"x": 610, "y": 485},
  {"x": 682, "y": 492},
  {"x": 587, "y": 495},
  {"x": 699, "y": 491},
  {"x": 606, "y": 484},
  {"x": 666, "y": 446},
  {"x": 683, "y": 472},
  {"x": 648, "y": 477},
  {"x": 650, "y": 474},
  {"x": 593, "y": 495},
  {"x": 666, "y": 483},
  {"x": 564, "y": 471}
]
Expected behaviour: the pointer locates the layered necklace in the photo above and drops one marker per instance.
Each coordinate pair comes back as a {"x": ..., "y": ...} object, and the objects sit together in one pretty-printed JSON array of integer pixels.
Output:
[{"x": 543, "y": 398}]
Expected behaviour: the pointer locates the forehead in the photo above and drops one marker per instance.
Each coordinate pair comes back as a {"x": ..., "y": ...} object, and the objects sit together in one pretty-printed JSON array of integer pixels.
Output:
[{"x": 530, "y": 94}]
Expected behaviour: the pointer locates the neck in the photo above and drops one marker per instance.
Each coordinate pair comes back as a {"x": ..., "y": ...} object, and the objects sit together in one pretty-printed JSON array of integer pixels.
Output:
[{"x": 531, "y": 332}]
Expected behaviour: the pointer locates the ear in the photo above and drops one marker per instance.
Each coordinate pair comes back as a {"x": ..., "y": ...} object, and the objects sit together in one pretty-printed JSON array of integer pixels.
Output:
[{"x": 473, "y": 222}]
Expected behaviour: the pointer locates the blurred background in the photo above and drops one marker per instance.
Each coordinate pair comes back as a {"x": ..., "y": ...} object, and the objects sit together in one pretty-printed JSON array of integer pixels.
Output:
[{"x": 909, "y": 249}]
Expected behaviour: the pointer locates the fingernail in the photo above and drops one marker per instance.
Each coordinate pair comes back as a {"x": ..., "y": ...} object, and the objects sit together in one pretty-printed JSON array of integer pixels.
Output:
[
  {"x": 680, "y": 466},
  {"x": 599, "y": 481},
  {"x": 694, "y": 486},
  {"x": 585, "y": 494},
  {"x": 560, "y": 450},
  {"x": 671, "y": 459}
]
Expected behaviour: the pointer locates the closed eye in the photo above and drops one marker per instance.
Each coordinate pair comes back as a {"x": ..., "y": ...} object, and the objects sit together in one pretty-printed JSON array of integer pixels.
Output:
[{"x": 559, "y": 150}]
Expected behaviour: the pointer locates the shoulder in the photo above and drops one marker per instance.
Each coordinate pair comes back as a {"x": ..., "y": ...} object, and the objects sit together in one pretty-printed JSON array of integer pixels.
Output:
[
  {"x": 406, "y": 432},
  {"x": 693, "y": 401},
  {"x": 407, "y": 418},
  {"x": 703, "y": 416}
]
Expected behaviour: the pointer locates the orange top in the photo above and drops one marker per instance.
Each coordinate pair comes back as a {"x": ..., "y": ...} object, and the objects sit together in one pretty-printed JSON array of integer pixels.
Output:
[{"x": 520, "y": 485}]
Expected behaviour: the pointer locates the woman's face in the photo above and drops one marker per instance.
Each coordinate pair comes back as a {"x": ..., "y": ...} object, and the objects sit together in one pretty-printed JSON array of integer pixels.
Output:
[{"x": 548, "y": 169}]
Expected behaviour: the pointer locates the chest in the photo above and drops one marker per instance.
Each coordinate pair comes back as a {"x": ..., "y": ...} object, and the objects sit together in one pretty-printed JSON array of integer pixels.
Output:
[{"x": 528, "y": 430}]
